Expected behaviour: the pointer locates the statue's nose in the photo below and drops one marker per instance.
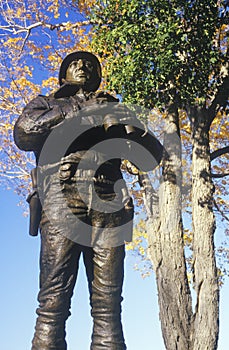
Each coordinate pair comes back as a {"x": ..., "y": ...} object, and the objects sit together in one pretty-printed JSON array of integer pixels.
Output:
[{"x": 80, "y": 64}]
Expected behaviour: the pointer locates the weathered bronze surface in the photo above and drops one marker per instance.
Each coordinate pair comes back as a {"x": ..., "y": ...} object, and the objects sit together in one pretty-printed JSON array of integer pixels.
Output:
[{"x": 80, "y": 225}]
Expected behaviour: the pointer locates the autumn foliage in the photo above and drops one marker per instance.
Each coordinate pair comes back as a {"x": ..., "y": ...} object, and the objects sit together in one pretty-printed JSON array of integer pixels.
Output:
[
  {"x": 170, "y": 57},
  {"x": 35, "y": 37}
]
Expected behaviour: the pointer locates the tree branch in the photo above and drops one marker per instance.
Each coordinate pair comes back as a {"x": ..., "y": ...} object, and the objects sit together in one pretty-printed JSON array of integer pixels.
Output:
[
  {"x": 24, "y": 41},
  {"x": 220, "y": 211},
  {"x": 14, "y": 82},
  {"x": 219, "y": 152},
  {"x": 218, "y": 176},
  {"x": 220, "y": 100},
  {"x": 16, "y": 29}
]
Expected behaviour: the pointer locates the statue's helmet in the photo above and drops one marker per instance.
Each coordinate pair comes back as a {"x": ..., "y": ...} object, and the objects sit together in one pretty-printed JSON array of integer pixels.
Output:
[{"x": 94, "y": 82}]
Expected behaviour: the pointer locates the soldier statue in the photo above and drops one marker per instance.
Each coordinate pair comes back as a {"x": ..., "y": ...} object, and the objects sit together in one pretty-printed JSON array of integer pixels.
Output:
[{"x": 80, "y": 201}]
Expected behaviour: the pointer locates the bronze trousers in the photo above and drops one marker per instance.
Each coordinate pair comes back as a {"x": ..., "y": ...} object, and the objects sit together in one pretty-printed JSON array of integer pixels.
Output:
[
  {"x": 59, "y": 267},
  {"x": 59, "y": 260}
]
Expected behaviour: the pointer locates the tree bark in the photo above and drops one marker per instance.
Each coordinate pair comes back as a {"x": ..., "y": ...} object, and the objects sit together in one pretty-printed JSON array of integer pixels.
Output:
[
  {"x": 181, "y": 328},
  {"x": 206, "y": 317},
  {"x": 166, "y": 248}
]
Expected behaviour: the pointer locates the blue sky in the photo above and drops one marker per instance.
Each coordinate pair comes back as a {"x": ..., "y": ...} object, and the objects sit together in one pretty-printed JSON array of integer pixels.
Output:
[{"x": 19, "y": 287}]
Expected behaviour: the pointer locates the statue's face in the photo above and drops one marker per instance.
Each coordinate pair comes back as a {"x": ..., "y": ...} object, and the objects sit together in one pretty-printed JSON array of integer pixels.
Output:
[{"x": 79, "y": 72}]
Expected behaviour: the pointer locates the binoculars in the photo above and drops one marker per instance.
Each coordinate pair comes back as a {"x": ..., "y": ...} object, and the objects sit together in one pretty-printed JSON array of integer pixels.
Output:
[{"x": 110, "y": 121}]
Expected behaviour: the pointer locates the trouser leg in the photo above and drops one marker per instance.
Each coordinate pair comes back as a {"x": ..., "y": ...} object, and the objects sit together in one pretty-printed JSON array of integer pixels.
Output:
[
  {"x": 88, "y": 254},
  {"x": 106, "y": 298},
  {"x": 58, "y": 271}
]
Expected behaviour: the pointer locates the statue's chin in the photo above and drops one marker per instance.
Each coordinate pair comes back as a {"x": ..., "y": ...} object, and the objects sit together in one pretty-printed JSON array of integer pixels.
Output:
[{"x": 78, "y": 82}]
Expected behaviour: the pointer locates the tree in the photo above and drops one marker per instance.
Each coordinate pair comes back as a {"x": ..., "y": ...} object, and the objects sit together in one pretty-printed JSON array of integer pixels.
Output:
[
  {"x": 173, "y": 55},
  {"x": 170, "y": 55},
  {"x": 35, "y": 37}
]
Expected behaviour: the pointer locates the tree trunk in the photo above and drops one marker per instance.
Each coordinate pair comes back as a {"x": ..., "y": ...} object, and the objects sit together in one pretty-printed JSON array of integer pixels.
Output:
[
  {"x": 206, "y": 322},
  {"x": 181, "y": 329},
  {"x": 166, "y": 248}
]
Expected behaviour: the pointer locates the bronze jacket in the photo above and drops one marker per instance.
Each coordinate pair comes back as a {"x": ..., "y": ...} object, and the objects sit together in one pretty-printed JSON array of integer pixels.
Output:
[{"x": 46, "y": 115}]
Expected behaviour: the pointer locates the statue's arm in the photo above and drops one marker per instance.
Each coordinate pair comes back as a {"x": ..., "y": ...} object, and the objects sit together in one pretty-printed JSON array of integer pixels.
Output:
[
  {"x": 37, "y": 120},
  {"x": 144, "y": 147},
  {"x": 145, "y": 150}
]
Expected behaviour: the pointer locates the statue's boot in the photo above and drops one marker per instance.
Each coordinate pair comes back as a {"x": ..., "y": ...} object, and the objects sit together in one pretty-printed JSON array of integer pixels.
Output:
[
  {"x": 106, "y": 299},
  {"x": 49, "y": 337}
]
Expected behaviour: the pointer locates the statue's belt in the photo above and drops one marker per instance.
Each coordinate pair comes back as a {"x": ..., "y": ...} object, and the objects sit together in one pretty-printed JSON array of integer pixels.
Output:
[{"x": 66, "y": 168}]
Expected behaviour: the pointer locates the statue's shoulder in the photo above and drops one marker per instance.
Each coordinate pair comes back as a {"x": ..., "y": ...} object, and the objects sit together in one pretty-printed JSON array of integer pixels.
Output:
[
  {"x": 51, "y": 98},
  {"x": 107, "y": 96},
  {"x": 41, "y": 97},
  {"x": 37, "y": 101},
  {"x": 48, "y": 97}
]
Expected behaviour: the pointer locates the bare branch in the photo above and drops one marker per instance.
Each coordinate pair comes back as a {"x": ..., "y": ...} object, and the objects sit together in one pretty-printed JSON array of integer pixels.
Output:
[
  {"x": 14, "y": 82},
  {"x": 218, "y": 176},
  {"x": 220, "y": 211},
  {"x": 24, "y": 42},
  {"x": 149, "y": 197},
  {"x": 219, "y": 152},
  {"x": 17, "y": 29},
  {"x": 11, "y": 175}
]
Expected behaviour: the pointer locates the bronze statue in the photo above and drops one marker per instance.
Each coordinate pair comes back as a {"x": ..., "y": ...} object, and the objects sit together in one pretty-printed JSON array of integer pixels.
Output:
[{"x": 70, "y": 189}]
